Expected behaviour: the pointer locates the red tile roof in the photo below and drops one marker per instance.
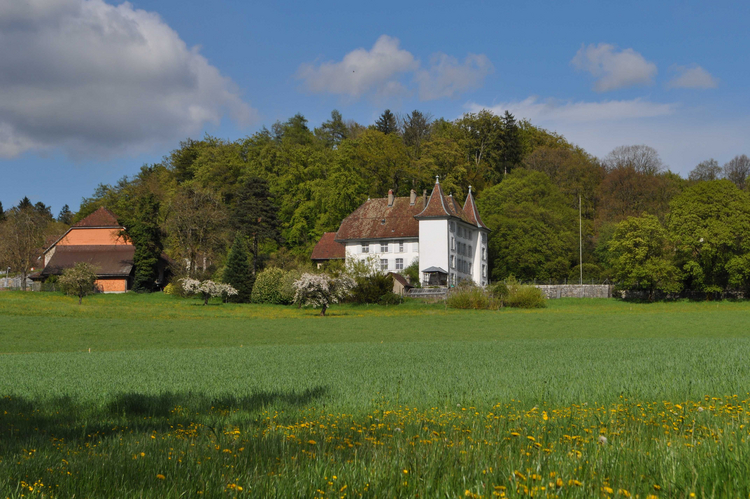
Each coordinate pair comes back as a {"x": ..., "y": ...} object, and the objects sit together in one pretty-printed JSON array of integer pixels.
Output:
[
  {"x": 374, "y": 219},
  {"x": 100, "y": 218},
  {"x": 328, "y": 249},
  {"x": 472, "y": 213},
  {"x": 439, "y": 205}
]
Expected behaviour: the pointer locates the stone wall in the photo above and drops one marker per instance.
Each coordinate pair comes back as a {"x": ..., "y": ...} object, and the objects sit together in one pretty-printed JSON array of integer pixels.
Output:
[{"x": 576, "y": 290}]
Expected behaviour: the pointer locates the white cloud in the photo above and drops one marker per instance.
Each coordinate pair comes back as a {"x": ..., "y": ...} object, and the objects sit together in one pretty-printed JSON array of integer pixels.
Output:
[
  {"x": 551, "y": 111},
  {"x": 692, "y": 76},
  {"x": 681, "y": 135},
  {"x": 613, "y": 69},
  {"x": 385, "y": 69},
  {"x": 446, "y": 77},
  {"x": 361, "y": 71},
  {"x": 97, "y": 79}
]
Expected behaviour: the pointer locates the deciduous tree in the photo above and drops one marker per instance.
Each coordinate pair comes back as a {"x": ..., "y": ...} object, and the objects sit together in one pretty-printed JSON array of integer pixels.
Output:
[
  {"x": 22, "y": 238},
  {"x": 706, "y": 171},
  {"x": 641, "y": 158},
  {"x": 322, "y": 290},
  {"x": 737, "y": 170},
  {"x": 642, "y": 256},
  {"x": 144, "y": 232},
  {"x": 79, "y": 280}
]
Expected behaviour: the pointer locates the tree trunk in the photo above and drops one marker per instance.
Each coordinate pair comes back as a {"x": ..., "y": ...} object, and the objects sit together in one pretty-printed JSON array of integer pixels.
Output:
[
  {"x": 80, "y": 299},
  {"x": 206, "y": 296},
  {"x": 23, "y": 281},
  {"x": 255, "y": 251},
  {"x": 323, "y": 311}
]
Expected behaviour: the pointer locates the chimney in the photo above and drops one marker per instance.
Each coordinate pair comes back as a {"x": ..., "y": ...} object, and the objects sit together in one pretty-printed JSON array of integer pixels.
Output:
[
  {"x": 412, "y": 197},
  {"x": 390, "y": 197},
  {"x": 424, "y": 196}
]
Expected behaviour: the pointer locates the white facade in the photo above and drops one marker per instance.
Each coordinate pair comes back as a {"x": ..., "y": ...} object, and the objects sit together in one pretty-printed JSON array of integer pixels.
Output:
[{"x": 388, "y": 255}]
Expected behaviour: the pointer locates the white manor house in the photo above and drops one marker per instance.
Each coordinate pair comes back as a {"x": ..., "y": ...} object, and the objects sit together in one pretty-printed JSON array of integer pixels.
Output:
[{"x": 449, "y": 241}]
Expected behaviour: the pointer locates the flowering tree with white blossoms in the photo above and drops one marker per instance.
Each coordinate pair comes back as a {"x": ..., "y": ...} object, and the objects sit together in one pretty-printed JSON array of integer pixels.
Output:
[
  {"x": 322, "y": 290},
  {"x": 207, "y": 288}
]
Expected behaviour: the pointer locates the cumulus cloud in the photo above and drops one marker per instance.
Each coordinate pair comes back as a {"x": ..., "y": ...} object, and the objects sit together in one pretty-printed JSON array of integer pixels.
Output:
[
  {"x": 692, "y": 76},
  {"x": 97, "y": 79},
  {"x": 551, "y": 111},
  {"x": 387, "y": 70},
  {"x": 446, "y": 77},
  {"x": 361, "y": 71},
  {"x": 614, "y": 69}
]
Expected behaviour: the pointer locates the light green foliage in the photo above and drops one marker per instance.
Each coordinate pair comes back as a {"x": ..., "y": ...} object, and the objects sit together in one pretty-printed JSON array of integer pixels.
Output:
[
  {"x": 268, "y": 287},
  {"x": 642, "y": 256},
  {"x": 710, "y": 223},
  {"x": 523, "y": 295},
  {"x": 78, "y": 280},
  {"x": 534, "y": 231},
  {"x": 412, "y": 273},
  {"x": 472, "y": 297},
  {"x": 250, "y": 387}
]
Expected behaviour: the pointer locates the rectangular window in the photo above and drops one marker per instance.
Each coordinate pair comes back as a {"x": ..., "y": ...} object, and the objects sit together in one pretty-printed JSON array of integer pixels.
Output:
[
  {"x": 384, "y": 247},
  {"x": 399, "y": 264},
  {"x": 484, "y": 270},
  {"x": 383, "y": 264},
  {"x": 453, "y": 243},
  {"x": 453, "y": 262},
  {"x": 365, "y": 247},
  {"x": 400, "y": 246},
  {"x": 484, "y": 253},
  {"x": 470, "y": 250}
]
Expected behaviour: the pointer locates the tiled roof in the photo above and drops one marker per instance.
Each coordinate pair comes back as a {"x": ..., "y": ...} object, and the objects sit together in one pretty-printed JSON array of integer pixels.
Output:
[
  {"x": 471, "y": 211},
  {"x": 100, "y": 218},
  {"x": 401, "y": 279},
  {"x": 328, "y": 249},
  {"x": 109, "y": 260},
  {"x": 374, "y": 219},
  {"x": 440, "y": 205}
]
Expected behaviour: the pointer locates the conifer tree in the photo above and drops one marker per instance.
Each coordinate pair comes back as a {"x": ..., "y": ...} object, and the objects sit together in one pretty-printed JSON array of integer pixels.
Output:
[
  {"x": 144, "y": 232},
  {"x": 237, "y": 272},
  {"x": 2, "y": 212},
  {"x": 387, "y": 123},
  {"x": 65, "y": 216},
  {"x": 255, "y": 215}
]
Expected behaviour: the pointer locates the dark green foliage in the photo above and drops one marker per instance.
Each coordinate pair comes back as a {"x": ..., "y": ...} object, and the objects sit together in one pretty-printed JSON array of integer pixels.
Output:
[
  {"x": 24, "y": 204},
  {"x": 255, "y": 215},
  {"x": 65, "y": 216},
  {"x": 144, "y": 232},
  {"x": 591, "y": 271},
  {"x": 416, "y": 131},
  {"x": 387, "y": 123},
  {"x": 237, "y": 271},
  {"x": 535, "y": 232},
  {"x": 512, "y": 152},
  {"x": 2, "y": 213},
  {"x": 293, "y": 132},
  {"x": 391, "y": 298},
  {"x": 370, "y": 289}
]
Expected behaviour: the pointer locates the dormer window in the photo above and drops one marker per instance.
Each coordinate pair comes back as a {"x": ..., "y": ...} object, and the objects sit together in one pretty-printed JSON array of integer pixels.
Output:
[
  {"x": 400, "y": 246},
  {"x": 365, "y": 247},
  {"x": 384, "y": 247}
]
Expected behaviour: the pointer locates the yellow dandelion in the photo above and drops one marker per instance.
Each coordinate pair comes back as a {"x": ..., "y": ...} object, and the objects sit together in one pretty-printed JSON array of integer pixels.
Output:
[{"x": 160, "y": 477}]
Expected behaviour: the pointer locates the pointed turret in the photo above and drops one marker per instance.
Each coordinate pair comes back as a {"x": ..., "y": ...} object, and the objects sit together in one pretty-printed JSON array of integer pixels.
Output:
[{"x": 471, "y": 211}]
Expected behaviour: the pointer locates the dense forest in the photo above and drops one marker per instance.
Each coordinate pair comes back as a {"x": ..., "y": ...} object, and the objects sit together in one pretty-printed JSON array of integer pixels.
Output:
[{"x": 642, "y": 225}]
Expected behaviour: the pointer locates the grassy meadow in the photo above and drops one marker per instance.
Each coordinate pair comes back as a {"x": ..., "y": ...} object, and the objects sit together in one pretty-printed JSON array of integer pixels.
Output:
[{"x": 154, "y": 396}]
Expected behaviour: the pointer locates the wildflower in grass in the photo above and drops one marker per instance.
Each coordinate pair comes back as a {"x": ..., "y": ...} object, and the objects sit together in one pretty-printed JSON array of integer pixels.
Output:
[
  {"x": 602, "y": 440},
  {"x": 160, "y": 477},
  {"x": 657, "y": 487}
]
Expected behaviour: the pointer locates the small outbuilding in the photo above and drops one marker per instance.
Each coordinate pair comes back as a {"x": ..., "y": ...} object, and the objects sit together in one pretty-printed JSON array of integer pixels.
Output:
[{"x": 327, "y": 249}]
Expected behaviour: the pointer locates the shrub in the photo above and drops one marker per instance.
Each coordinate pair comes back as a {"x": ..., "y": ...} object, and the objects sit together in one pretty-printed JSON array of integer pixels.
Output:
[
  {"x": 412, "y": 272},
  {"x": 472, "y": 297},
  {"x": 524, "y": 296},
  {"x": 391, "y": 298},
  {"x": 171, "y": 289},
  {"x": 370, "y": 289},
  {"x": 287, "y": 285},
  {"x": 268, "y": 287}
]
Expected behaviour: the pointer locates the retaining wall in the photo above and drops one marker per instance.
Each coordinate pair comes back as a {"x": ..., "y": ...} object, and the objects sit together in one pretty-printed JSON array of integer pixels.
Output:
[{"x": 576, "y": 290}]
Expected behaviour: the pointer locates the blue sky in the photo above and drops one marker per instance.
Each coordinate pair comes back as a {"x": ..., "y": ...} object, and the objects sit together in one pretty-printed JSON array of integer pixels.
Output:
[{"x": 90, "y": 91}]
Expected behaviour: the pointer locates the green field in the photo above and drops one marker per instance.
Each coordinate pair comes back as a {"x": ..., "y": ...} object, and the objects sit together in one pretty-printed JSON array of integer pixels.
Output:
[{"x": 154, "y": 396}]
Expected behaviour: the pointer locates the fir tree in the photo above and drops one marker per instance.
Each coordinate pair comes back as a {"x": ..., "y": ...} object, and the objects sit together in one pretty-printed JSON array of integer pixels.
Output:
[
  {"x": 255, "y": 215},
  {"x": 65, "y": 216},
  {"x": 2, "y": 212},
  {"x": 512, "y": 153},
  {"x": 144, "y": 232},
  {"x": 387, "y": 123},
  {"x": 237, "y": 272}
]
